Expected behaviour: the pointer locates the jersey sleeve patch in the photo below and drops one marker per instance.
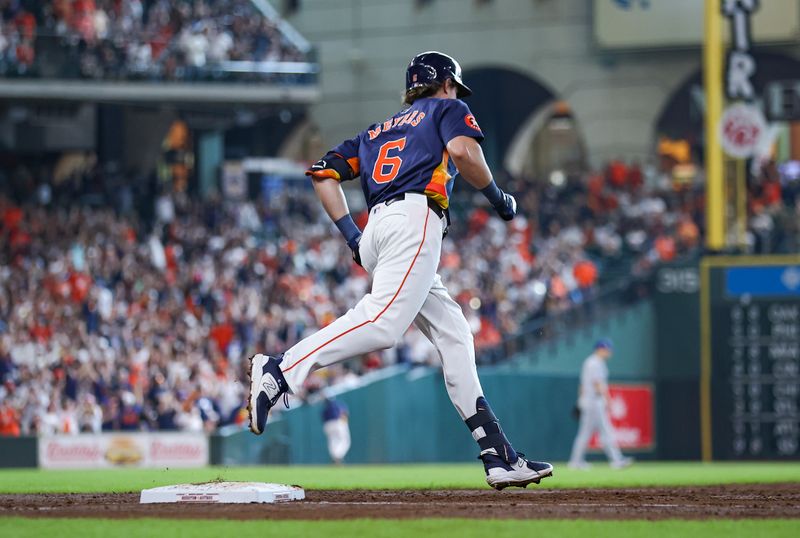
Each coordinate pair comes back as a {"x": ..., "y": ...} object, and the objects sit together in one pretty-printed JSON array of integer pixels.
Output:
[
  {"x": 470, "y": 120},
  {"x": 456, "y": 119}
]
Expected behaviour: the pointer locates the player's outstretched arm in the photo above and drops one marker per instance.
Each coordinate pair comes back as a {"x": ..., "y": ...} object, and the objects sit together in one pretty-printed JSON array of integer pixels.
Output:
[{"x": 468, "y": 157}]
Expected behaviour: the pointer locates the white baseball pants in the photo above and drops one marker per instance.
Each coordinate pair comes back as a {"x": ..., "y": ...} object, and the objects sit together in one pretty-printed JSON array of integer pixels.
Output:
[
  {"x": 594, "y": 417},
  {"x": 400, "y": 248},
  {"x": 338, "y": 433}
]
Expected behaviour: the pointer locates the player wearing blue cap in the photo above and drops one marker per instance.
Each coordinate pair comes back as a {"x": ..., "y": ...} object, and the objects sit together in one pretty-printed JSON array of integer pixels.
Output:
[
  {"x": 593, "y": 403},
  {"x": 406, "y": 165}
]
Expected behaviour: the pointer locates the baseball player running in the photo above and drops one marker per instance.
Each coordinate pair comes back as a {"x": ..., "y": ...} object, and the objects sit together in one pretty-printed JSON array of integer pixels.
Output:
[{"x": 406, "y": 165}]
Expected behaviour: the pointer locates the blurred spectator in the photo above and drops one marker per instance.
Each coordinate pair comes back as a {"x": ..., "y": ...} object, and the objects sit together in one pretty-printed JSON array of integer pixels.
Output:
[
  {"x": 9, "y": 420},
  {"x": 90, "y": 416},
  {"x": 154, "y": 39},
  {"x": 49, "y": 422},
  {"x": 586, "y": 274},
  {"x": 617, "y": 173}
]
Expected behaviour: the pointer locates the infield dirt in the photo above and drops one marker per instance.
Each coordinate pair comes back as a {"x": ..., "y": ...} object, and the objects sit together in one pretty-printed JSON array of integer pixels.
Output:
[{"x": 710, "y": 502}]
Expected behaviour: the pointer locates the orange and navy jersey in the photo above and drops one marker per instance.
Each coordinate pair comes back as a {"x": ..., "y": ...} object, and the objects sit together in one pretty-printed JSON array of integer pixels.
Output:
[{"x": 408, "y": 152}]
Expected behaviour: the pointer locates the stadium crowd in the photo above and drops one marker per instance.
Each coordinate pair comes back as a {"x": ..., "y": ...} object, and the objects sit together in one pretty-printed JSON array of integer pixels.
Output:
[
  {"x": 150, "y": 39},
  {"x": 110, "y": 322}
]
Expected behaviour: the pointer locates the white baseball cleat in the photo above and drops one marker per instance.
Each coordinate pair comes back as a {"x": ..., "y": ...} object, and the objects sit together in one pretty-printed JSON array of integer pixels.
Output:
[
  {"x": 500, "y": 474},
  {"x": 266, "y": 386}
]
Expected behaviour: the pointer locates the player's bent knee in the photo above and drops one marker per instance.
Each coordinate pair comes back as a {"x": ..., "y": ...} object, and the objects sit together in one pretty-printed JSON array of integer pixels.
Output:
[
  {"x": 388, "y": 341},
  {"x": 386, "y": 336}
]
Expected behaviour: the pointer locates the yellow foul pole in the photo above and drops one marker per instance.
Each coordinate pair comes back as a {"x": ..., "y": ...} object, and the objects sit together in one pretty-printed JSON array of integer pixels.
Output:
[
  {"x": 715, "y": 200},
  {"x": 712, "y": 82}
]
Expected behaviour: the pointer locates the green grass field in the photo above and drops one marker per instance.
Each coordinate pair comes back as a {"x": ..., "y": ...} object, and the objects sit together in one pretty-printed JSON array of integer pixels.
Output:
[
  {"x": 450, "y": 476},
  {"x": 468, "y": 476},
  {"x": 462, "y": 528}
]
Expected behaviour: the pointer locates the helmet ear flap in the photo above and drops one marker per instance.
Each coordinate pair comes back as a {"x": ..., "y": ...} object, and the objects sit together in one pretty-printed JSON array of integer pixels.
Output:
[{"x": 419, "y": 74}]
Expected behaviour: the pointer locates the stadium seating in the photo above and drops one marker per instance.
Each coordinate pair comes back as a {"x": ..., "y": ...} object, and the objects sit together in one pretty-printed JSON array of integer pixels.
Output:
[{"x": 148, "y": 40}]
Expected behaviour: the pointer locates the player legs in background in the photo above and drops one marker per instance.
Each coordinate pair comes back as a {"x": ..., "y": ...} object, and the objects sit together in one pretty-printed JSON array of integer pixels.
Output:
[
  {"x": 336, "y": 427},
  {"x": 594, "y": 418},
  {"x": 338, "y": 433},
  {"x": 609, "y": 442},
  {"x": 586, "y": 426}
]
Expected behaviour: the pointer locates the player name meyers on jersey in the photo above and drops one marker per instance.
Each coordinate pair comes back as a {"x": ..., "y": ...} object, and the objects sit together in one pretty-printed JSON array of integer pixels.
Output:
[{"x": 412, "y": 118}]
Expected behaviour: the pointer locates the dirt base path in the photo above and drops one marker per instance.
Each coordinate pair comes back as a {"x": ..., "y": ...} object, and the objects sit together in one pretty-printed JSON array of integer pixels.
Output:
[{"x": 718, "y": 502}]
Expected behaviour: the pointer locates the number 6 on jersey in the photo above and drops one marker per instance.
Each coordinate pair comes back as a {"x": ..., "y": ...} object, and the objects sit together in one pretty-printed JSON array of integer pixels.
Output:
[{"x": 386, "y": 167}]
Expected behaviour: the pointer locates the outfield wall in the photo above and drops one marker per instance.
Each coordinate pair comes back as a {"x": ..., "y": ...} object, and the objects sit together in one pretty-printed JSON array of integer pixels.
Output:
[{"x": 409, "y": 418}]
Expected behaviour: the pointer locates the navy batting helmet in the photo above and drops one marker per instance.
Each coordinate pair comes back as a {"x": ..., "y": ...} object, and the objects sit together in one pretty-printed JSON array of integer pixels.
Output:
[{"x": 432, "y": 66}]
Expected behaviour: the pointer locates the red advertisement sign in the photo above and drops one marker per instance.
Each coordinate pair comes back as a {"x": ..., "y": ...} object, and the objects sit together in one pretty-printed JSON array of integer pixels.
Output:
[{"x": 631, "y": 412}]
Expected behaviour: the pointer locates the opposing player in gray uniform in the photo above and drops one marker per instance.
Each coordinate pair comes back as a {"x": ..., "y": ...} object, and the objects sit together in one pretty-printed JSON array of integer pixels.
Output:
[
  {"x": 406, "y": 166},
  {"x": 593, "y": 402}
]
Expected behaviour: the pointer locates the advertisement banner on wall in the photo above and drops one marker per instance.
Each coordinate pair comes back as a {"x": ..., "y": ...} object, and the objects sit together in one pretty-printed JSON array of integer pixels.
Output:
[
  {"x": 638, "y": 24},
  {"x": 631, "y": 412},
  {"x": 123, "y": 450}
]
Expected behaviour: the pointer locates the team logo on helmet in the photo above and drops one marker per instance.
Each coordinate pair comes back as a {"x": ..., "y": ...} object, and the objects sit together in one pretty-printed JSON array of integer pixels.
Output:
[{"x": 469, "y": 119}]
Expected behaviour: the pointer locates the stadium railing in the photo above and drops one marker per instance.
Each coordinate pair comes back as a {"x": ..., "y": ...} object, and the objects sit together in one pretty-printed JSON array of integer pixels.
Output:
[
  {"x": 608, "y": 299},
  {"x": 60, "y": 57}
]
